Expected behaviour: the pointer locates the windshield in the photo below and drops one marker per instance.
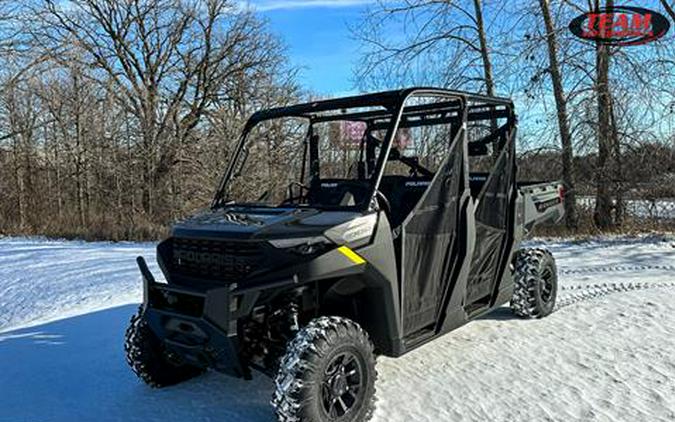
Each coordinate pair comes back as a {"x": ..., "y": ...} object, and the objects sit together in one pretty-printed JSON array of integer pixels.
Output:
[{"x": 300, "y": 161}]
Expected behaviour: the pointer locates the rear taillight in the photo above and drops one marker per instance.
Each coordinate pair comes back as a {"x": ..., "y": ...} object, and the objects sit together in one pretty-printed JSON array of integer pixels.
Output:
[{"x": 561, "y": 193}]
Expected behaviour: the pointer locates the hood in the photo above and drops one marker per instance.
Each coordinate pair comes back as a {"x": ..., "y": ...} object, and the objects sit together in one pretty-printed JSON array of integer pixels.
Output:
[{"x": 260, "y": 223}]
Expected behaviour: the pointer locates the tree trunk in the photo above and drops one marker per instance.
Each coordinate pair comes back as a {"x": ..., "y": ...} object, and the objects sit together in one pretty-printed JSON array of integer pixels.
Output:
[
  {"x": 78, "y": 165},
  {"x": 148, "y": 173},
  {"x": 563, "y": 122},
  {"x": 617, "y": 172},
  {"x": 603, "y": 168},
  {"x": 57, "y": 174},
  {"x": 151, "y": 148},
  {"x": 669, "y": 9},
  {"x": 20, "y": 187},
  {"x": 484, "y": 51},
  {"x": 487, "y": 65}
]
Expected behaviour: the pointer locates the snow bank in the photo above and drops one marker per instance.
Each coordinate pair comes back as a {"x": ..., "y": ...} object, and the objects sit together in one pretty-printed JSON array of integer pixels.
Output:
[
  {"x": 64, "y": 307},
  {"x": 42, "y": 280}
]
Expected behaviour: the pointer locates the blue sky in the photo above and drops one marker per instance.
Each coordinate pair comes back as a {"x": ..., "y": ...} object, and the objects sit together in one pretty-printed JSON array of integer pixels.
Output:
[{"x": 318, "y": 39}]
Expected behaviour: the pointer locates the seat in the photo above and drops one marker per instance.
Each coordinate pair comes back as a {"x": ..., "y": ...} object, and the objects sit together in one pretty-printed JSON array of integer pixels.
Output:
[
  {"x": 337, "y": 192},
  {"x": 476, "y": 182},
  {"x": 403, "y": 194}
]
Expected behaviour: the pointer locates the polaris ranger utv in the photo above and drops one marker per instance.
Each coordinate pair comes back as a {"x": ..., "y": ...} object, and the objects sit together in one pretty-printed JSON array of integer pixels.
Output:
[{"x": 345, "y": 229}]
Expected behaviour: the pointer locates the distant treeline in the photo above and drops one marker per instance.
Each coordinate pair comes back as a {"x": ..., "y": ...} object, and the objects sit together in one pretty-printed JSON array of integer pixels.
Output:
[{"x": 116, "y": 118}]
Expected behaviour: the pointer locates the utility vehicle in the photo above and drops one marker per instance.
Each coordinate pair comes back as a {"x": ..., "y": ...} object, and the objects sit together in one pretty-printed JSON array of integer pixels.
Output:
[{"x": 345, "y": 229}]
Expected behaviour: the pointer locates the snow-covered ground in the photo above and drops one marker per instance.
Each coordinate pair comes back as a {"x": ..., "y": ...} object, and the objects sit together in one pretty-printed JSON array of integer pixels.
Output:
[
  {"x": 657, "y": 209},
  {"x": 41, "y": 280},
  {"x": 604, "y": 355}
]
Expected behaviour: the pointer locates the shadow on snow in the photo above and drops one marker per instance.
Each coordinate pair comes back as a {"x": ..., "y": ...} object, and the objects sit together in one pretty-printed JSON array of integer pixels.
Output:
[{"x": 74, "y": 369}]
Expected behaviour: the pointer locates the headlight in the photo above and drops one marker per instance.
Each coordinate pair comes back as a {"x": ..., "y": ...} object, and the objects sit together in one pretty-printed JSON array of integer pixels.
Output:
[
  {"x": 303, "y": 245},
  {"x": 355, "y": 232}
]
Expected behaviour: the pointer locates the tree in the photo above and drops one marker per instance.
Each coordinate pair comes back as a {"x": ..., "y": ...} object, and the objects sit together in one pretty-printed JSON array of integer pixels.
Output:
[
  {"x": 484, "y": 49},
  {"x": 563, "y": 120},
  {"x": 120, "y": 116},
  {"x": 443, "y": 42},
  {"x": 603, "y": 169},
  {"x": 669, "y": 9},
  {"x": 440, "y": 44},
  {"x": 168, "y": 60}
]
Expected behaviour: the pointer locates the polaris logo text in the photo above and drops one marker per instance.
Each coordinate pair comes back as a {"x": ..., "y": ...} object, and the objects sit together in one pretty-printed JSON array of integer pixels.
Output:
[
  {"x": 620, "y": 25},
  {"x": 210, "y": 258}
]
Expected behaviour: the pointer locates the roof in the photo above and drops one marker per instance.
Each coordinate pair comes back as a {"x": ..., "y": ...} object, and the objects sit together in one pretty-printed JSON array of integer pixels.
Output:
[{"x": 386, "y": 101}]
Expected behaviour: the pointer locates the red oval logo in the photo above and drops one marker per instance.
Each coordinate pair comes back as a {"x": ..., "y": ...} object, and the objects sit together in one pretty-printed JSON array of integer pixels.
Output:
[{"x": 620, "y": 25}]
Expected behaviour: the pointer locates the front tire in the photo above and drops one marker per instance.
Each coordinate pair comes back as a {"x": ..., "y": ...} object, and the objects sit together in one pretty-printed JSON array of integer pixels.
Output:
[
  {"x": 145, "y": 355},
  {"x": 327, "y": 374},
  {"x": 536, "y": 283}
]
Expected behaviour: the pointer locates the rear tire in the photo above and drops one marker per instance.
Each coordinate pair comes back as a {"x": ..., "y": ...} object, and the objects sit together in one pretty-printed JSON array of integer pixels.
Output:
[
  {"x": 327, "y": 374},
  {"x": 145, "y": 355},
  {"x": 536, "y": 283}
]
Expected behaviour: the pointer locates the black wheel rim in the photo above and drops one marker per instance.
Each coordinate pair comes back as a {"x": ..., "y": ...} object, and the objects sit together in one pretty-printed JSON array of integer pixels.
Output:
[
  {"x": 547, "y": 285},
  {"x": 343, "y": 385}
]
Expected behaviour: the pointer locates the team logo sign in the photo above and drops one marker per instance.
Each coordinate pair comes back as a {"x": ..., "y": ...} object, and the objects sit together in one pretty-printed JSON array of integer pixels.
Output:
[{"x": 620, "y": 25}]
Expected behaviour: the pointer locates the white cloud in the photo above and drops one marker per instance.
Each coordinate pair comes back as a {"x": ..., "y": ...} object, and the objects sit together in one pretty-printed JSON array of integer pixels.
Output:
[{"x": 267, "y": 5}]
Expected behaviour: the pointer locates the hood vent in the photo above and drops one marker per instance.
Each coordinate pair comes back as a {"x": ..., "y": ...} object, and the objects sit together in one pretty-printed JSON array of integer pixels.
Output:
[{"x": 219, "y": 217}]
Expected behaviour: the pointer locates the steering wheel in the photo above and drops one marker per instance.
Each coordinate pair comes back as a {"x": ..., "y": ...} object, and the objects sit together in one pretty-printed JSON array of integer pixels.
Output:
[
  {"x": 301, "y": 185},
  {"x": 383, "y": 202},
  {"x": 292, "y": 198}
]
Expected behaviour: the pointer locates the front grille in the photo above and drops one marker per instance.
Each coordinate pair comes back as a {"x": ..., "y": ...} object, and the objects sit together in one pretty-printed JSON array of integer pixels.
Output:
[{"x": 215, "y": 259}]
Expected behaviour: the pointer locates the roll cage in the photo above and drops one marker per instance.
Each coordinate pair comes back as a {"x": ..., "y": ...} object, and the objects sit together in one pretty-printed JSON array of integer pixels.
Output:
[{"x": 387, "y": 112}]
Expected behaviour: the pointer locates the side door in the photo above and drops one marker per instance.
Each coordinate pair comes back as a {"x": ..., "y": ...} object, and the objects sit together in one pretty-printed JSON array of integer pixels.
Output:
[
  {"x": 494, "y": 219},
  {"x": 431, "y": 245}
]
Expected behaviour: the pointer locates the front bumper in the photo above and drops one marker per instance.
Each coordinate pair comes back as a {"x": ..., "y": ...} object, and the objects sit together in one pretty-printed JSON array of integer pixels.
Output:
[
  {"x": 196, "y": 327},
  {"x": 199, "y": 325}
]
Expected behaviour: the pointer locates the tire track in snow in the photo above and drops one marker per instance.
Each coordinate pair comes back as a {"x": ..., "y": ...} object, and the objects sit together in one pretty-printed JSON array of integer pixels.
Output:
[
  {"x": 579, "y": 293},
  {"x": 587, "y": 292},
  {"x": 616, "y": 268}
]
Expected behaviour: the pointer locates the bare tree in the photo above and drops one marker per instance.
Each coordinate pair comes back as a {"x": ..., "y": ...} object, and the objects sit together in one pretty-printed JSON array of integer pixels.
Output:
[
  {"x": 604, "y": 172},
  {"x": 484, "y": 49},
  {"x": 121, "y": 115},
  {"x": 442, "y": 42},
  {"x": 21, "y": 117},
  {"x": 563, "y": 120},
  {"x": 167, "y": 59}
]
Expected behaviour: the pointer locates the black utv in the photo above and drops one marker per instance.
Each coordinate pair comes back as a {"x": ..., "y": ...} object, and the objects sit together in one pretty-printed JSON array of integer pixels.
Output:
[{"x": 345, "y": 229}]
